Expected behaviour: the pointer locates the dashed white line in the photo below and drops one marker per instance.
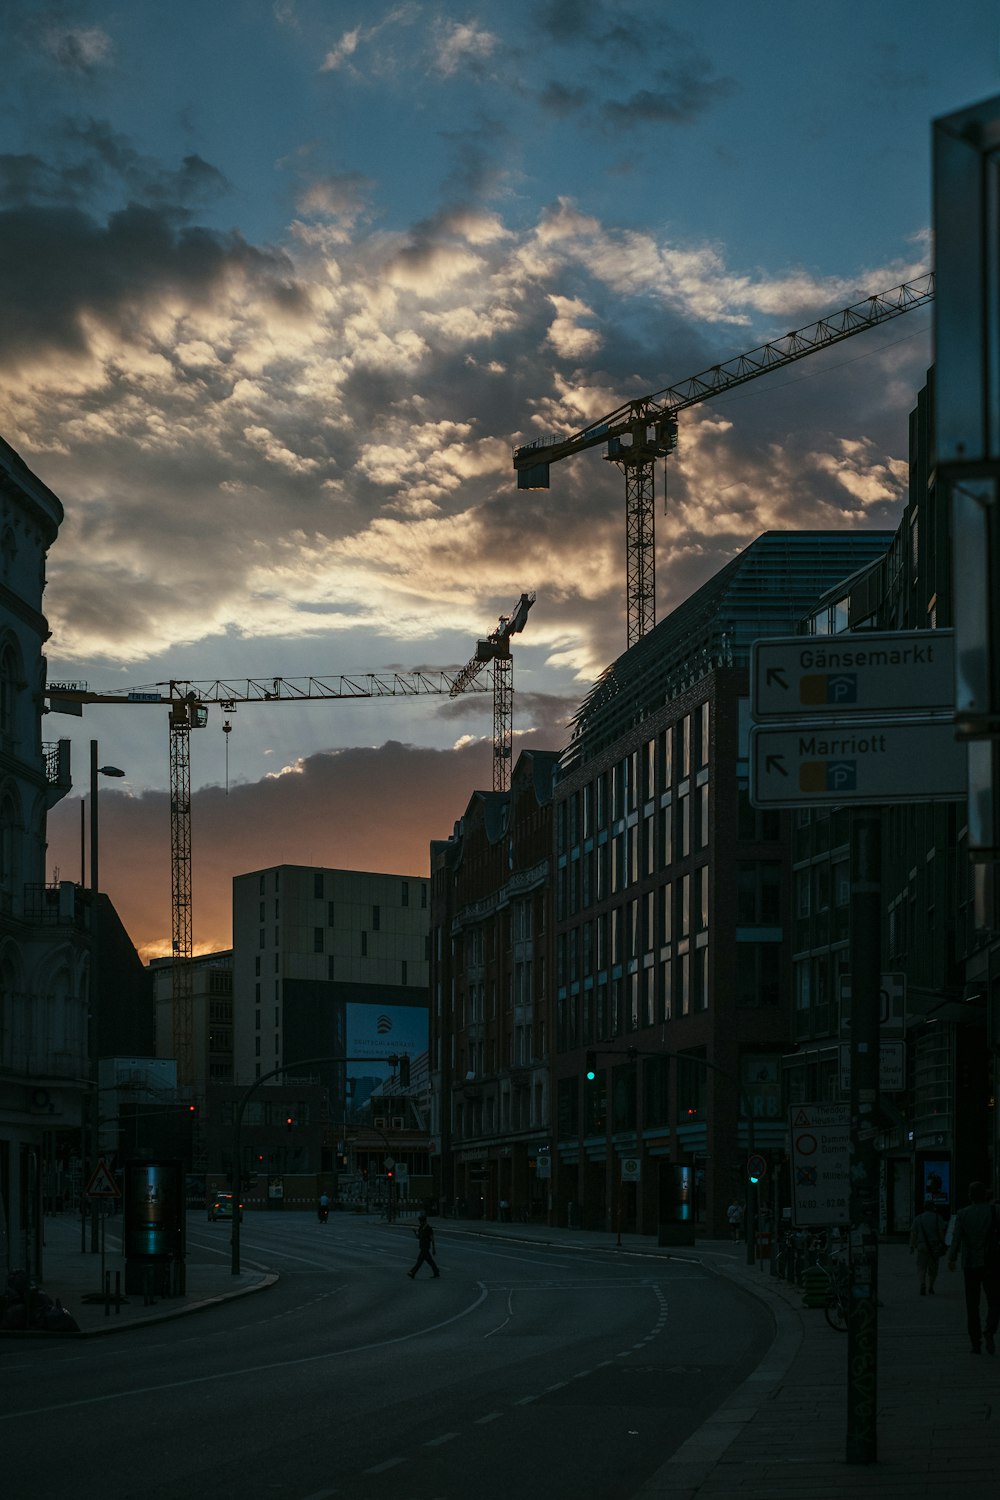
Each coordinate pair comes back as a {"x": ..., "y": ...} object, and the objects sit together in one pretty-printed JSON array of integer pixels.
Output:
[
  {"x": 491, "y": 1416},
  {"x": 446, "y": 1437},
  {"x": 389, "y": 1463}
]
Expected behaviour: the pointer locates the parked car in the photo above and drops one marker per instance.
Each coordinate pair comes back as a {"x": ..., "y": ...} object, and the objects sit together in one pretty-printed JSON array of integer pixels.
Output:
[{"x": 221, "y": 1207}]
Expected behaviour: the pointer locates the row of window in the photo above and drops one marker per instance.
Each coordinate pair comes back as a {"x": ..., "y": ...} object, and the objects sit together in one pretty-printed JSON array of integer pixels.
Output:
[
  {"x": 634, "y": 853},
  {"x": 672, "y": 913},
  {"x": 645, "y": 773}
]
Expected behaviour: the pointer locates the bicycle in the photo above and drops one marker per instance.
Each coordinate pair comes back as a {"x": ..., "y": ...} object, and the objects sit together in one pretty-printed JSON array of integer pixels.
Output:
[{"x": 835, "y": 1307}]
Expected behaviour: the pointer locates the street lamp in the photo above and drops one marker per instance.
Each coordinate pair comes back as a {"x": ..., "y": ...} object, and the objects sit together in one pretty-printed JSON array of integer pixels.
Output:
[{"x": 95, "y": 949}]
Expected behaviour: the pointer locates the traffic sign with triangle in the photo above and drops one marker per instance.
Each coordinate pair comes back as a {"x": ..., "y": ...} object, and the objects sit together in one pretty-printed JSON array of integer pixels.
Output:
[{"x": 102, "y": 1184}]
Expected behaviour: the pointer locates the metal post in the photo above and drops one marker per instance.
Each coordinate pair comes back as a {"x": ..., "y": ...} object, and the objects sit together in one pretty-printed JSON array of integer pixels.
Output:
[
  {"x": 866, "y": 967},
  {"x": 95, "y": 1111}
]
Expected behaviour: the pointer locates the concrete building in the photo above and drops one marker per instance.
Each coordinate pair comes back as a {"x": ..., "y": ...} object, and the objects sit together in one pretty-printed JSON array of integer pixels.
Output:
[
  {"x": 491, "y": 1027},
  {"x": 211, "y": 1017},
  {"x": 328, "y": 964},
  {"x": 43, "y": 941},
  {"x": 672, "y": 973}
]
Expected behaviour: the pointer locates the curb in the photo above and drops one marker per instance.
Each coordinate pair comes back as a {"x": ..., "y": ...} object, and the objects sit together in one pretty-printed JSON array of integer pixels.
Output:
[{"x": 264, "y": 1284}]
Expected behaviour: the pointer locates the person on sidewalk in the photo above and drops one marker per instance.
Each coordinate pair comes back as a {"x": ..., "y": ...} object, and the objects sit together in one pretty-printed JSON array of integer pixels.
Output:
[
  {"x": 969, "y": 1238},
  {"x": 323, "y": 1207},
  {"x": 734, "y": 1213},
  {"x": 425, "y": 1239},
  {"x": 927, "y": 1242}
]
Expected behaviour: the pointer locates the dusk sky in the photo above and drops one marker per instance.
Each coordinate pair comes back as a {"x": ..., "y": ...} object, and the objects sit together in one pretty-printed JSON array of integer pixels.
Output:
[{"x": 283, "y": 281}]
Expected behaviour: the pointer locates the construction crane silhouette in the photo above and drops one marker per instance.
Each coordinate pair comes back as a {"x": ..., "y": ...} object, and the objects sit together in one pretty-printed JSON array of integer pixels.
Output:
[
  {"x": 496, "y": 649},
  {"x": 641, "y": 431},
  {"x": 188, "y": 703}
]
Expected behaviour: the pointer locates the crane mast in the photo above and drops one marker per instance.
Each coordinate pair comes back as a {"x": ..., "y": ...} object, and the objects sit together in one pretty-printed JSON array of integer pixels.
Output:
[
  {"x": 496, "y": 649},
  {"x": 639, "y": 432}
]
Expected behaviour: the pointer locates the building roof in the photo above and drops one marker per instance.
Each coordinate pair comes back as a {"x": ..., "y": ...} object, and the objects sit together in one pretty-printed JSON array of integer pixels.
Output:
[{"x": 764, "y": 591}]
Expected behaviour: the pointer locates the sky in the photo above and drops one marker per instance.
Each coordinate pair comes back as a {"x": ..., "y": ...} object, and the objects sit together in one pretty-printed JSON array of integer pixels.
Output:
[{"x": 282, "y": 282}]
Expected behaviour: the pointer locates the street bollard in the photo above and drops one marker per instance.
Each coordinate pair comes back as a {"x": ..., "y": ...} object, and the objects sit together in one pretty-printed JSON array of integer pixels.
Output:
[
  {"x": 107, "y": 1294},
  {"x": 118, "y": 1294}
]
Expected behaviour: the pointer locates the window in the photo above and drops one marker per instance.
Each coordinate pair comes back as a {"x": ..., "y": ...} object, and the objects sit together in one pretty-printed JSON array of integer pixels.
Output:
[
  {"x": 403, "y": 972},
  {"x": 364, "y": 945},
  {"x": 405, "y": 893},
  {"x": 317, "y": 939},
  {"x": 376, "y": 918},
  {"x": 318, "y": 886},
  {"x": 329, "y": 915}
]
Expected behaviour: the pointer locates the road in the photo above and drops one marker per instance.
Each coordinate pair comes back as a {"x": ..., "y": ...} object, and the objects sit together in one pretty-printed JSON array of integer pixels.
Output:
[{"x": 543, "y": 1372}]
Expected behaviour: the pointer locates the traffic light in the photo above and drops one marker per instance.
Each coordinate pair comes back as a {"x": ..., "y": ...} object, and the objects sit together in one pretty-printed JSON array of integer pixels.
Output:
[
  {"x": 591, "y": 1072},
  {"x": 404, "y": 1072},
  {"x": 192, "y": 1109},
  {"x": 289, "y": 1122},
  {"x": 389, "y": 1174},
  {"x": 754, "y": 1177}
]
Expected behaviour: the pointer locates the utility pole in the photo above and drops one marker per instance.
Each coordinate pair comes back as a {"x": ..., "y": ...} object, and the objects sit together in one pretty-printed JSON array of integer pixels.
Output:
[{"x": 866, "y": 968}]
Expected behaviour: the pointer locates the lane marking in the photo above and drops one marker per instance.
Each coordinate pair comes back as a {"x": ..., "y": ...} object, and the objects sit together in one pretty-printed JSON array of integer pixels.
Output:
[
  {"x": 281, "y": 1364},
  {"x": 446, "y": 1437},
  {"x": 492, "y": 1416}
]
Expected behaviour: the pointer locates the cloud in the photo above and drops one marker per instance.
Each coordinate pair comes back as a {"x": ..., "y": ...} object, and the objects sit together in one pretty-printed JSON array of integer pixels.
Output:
[
  {"x": 81, "y": 49},
  {"x": 333, "y": 416},
  {"x": 462, "y": 44}
]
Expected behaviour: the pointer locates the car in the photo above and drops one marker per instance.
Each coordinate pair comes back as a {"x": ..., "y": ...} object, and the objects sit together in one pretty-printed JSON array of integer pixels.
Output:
[{"x": 221, "y": 1207}]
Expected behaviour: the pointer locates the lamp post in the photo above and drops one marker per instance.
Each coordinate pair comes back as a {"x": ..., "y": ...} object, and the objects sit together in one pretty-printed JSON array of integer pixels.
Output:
[{"x": 95, "y": 952}]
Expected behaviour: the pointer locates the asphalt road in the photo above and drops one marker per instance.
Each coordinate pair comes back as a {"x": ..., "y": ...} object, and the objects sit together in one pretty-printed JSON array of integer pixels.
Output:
[{"x": 524, "y": 1370}]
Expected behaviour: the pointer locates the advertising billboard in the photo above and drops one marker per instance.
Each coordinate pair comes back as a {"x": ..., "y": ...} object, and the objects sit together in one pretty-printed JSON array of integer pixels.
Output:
[{"x": 382, "y": 1031}]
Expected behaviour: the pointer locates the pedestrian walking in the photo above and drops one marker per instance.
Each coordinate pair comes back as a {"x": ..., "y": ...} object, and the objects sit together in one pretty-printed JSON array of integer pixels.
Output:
[
  {"x": 425, "y": 1239},
  {"x": 734, "y": 1213},
  {"x": 973, "y": 1240},
  {"x": 927, "y": 1243},
  {"x": 323, "y": 1207}
]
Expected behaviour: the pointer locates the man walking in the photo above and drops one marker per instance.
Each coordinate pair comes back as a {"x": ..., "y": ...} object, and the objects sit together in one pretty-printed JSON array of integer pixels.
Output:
[
  {"x": 425, "y": 1239},
  {"x": 927, "y": 1242},
  {"x": 972, "y": 1225}
]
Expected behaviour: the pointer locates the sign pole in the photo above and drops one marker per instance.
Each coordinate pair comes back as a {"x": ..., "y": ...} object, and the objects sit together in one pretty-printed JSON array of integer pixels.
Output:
[{"x": 866, "y": 982}]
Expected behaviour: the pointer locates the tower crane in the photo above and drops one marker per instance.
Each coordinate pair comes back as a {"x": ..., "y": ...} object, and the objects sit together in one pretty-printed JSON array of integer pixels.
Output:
[
  {"x": 640, "y": 431},
  {"x": 496, "y": 649},
  {"x": 188, "y": 704}
]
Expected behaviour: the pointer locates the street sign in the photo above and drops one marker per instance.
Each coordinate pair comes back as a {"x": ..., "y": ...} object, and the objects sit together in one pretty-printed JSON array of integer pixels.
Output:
[
  {"x": 631, "y": 1169},
  {"x": 891, "y": 1066},
  {"x": 756, "y": 1165},
  {"x": 102, "y": 1184},
  {"x": 821, "y": 1155},
  {"x": 859, "y": 673},
  {"x": 828, "y": 764},
  {"x": 891, "y": 1002}
]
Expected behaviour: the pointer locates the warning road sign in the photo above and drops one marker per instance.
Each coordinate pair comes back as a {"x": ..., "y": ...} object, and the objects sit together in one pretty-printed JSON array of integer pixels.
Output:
[
  {"x": 102, "y": 1184},
  {"x": 820, "y": 1138}
]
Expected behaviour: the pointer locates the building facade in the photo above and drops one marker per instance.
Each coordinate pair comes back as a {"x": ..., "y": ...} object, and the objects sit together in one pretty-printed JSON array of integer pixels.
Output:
[
  {"x": 491, "y": 1012},
  {"x": 43, "y": 939},
  {"x": 672, "y": 973},
  {"x": 940, "y": 953},
  {"x": 329, "y": 964}
]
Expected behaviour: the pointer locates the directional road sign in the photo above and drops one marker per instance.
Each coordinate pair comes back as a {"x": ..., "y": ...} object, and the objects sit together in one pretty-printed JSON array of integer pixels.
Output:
[
  {"x": 857, "y": 673},
  {"x": 826, "y": 764}
]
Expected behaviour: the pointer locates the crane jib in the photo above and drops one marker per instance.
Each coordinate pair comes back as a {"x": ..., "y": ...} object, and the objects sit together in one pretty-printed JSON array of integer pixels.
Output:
[{"x": 532, "y": 459}]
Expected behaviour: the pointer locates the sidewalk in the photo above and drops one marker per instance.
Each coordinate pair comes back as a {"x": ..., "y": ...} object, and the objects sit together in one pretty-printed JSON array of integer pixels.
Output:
[
  {"x": 72, "y": 1276},
  {"x": 783, "y": 1432}
]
